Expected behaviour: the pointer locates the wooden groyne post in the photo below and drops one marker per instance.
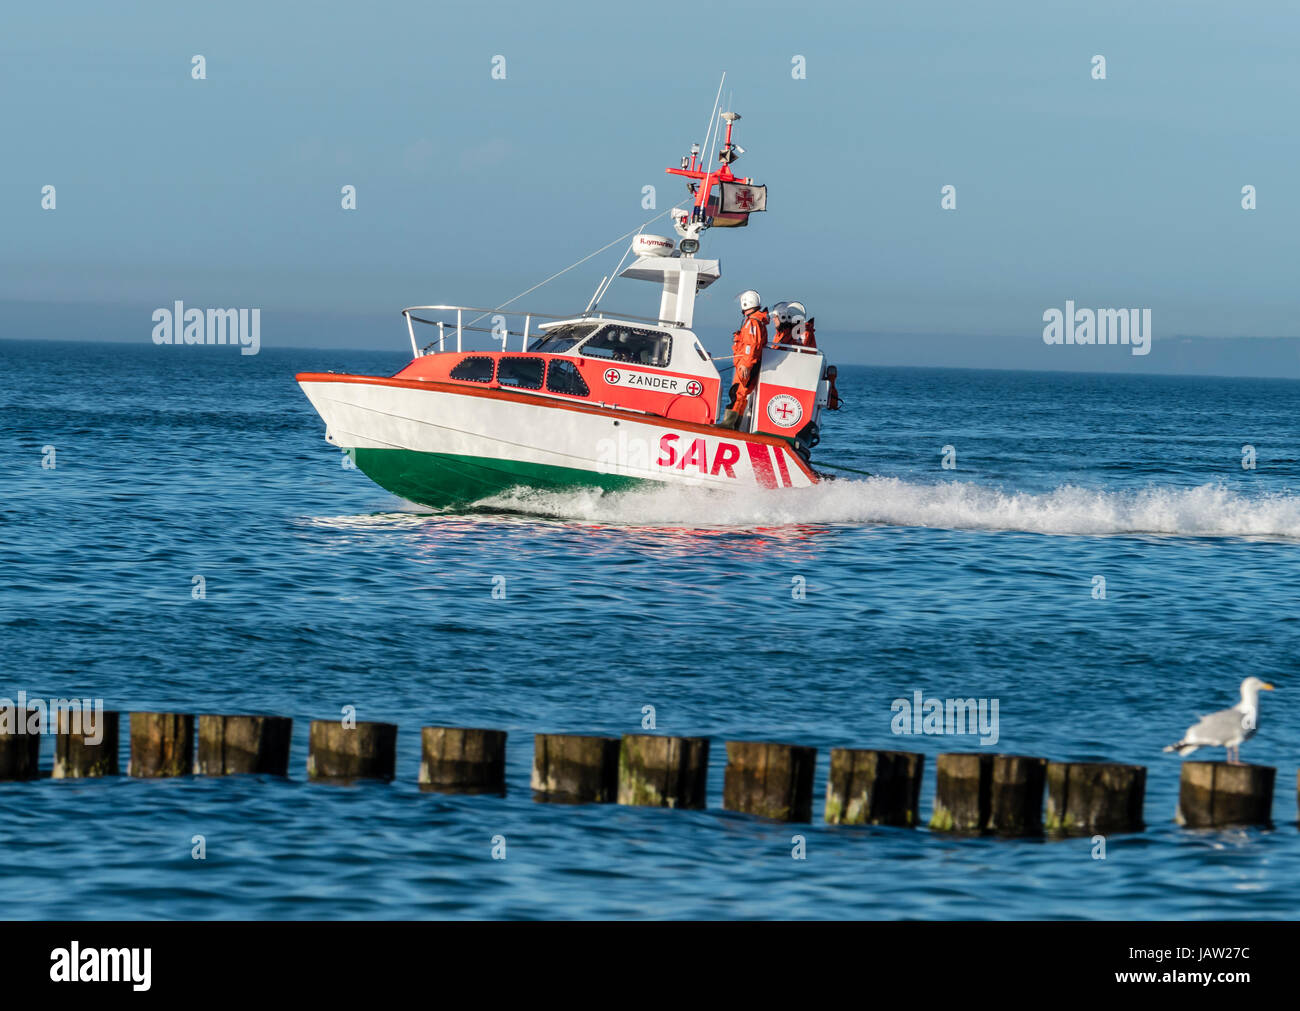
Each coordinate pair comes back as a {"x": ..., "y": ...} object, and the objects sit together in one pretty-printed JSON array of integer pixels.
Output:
[
  {"x": 77, "y": 756},
  {"x": 575, "y": 768},
  {"x": 769, "y": 780},
  {"x": 1017, "y": 797},
  {"x": 962, "y": 792},
  {"x": 162, "y": 744},
  {"x": 1088, "y": 797},
  {"x": 233, "y": 745},
  {"x": 663, "y": 771},
  {"x": 462, "y": 760},
  {"x": 20, "y": 750},
  {"x": 339, "y": 753},
  {"x": 1002, "y": 794},
  {"x": 873, "y": 787},
  {"x": 1219, "y": 795}
]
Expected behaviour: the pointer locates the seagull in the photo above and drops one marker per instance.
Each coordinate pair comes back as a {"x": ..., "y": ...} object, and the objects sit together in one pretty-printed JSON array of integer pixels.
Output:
[{"x": 1228, "y": 727}]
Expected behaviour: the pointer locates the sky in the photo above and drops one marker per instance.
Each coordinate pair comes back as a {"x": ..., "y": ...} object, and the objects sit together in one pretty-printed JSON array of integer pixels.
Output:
[{"x": 226, "y": 191}]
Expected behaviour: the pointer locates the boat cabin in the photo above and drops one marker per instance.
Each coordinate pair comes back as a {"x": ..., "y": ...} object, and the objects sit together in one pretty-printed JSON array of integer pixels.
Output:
[
  {"x": 635, "y": 366},
  {"x": 652, "y": 366}
]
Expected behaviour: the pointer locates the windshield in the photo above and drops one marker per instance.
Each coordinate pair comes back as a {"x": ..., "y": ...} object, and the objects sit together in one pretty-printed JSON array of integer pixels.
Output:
[
  {"x": 630, "y": 344},
  {"x": 561, "y": 338}
]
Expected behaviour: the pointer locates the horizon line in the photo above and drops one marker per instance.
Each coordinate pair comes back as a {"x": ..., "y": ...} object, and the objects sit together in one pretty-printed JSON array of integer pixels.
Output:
[{"x": 865, "y": 365}]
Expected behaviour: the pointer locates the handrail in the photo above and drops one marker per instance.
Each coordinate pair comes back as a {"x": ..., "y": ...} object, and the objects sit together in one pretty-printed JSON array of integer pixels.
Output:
[{"x": 528, "y": 316}]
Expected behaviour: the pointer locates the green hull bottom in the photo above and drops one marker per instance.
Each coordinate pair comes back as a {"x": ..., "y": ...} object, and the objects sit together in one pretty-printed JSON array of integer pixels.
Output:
[{"x": 441, "y": 479}]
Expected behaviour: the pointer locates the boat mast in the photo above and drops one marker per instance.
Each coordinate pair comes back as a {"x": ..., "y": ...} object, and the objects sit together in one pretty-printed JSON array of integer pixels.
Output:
[{"x": 682, "y": 274}]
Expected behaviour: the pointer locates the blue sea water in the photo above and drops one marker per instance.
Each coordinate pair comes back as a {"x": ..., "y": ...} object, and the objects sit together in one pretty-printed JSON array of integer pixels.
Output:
[{"x": 323, "y": 591}]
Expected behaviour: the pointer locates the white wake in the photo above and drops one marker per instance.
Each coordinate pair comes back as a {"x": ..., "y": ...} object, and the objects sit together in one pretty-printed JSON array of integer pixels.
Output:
[{"x": 1204, "y": 511}]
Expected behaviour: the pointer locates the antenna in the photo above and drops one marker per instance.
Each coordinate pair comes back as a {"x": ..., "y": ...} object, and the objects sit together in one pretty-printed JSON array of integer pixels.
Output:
[
  {"x": 699, "y": 209},
  {"x": 595, "y": 294},
  {"x": 604, "y": 286},
  {"x": 713, "y": 119}
]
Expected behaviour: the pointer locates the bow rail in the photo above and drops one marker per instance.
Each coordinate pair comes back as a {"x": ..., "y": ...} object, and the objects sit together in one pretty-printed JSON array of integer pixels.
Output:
[{"x": 501, "y": 329}]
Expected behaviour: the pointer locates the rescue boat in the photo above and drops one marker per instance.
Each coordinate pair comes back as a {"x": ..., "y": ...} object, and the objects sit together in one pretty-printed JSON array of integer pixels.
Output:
[{"x": 595, "y": 400}]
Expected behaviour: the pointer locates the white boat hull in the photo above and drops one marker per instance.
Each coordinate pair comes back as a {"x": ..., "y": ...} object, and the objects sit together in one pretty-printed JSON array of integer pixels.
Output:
[{"x": 438, "y": 445}]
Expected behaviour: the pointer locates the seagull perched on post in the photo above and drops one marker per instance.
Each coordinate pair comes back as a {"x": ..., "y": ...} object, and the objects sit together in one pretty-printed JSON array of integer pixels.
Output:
[{"x": 1228, "y": 727}]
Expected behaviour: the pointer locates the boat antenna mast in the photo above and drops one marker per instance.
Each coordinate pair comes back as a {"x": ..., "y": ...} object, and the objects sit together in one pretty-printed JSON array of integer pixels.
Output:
[
  {"x": 736, "y": 199},
  {"x": 676, "y": 268}
]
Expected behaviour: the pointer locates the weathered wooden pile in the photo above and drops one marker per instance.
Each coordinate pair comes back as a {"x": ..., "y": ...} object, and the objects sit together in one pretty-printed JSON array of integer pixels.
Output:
[{"x": 975, "y": 792}]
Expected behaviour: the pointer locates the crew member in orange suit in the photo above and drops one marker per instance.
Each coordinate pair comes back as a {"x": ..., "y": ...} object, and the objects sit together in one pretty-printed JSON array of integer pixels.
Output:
[
  {"x": 801, "y": 328},
  {"x": 781, "y": 317},
  {"x": 747, "y": 355},
  {"x": 801, "y": 332}
]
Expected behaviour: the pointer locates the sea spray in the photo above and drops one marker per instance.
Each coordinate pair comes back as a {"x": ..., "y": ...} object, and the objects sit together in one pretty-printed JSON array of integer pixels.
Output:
[{"x": 1208, "y": 510}]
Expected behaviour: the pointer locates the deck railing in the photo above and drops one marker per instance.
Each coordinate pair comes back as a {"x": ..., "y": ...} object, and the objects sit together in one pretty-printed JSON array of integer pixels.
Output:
[{"x": 501, "y": 329}]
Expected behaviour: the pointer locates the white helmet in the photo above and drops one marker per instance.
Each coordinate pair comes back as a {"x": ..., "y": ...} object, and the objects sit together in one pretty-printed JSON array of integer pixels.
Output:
[
  {"x": 749, "y": 300},
  {"x": 781, "y": 312},
  {"x": 796, "y": 309}
]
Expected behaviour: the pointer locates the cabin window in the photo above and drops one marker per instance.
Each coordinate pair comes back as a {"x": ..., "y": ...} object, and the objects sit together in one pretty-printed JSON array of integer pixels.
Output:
[
  {"x": 520, "y": 373},
  {"x": 631, "y": 345},
  {"x": 474, "y": 369},
  {"x": 563, "y": 377},
  {"x": 559, "y": 339}
]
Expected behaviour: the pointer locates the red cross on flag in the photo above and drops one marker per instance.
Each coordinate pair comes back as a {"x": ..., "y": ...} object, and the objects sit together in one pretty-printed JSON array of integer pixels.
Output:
[{"x": 742, "y": 198}]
